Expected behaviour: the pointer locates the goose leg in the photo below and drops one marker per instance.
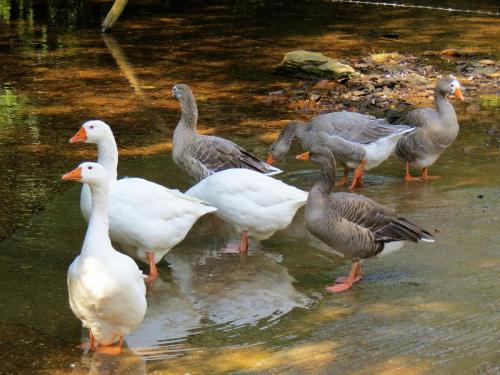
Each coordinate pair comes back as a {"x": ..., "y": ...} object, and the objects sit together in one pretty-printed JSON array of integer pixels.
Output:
[
  {"x": 345, "y": 177},
  {"x": 243, "y": 248},
  {"x": 408, "y": 177},
  {"x": 354, "y": 276},
  {"x": 358, "y": 275},
  {"x": 111, "y": 349},
  {"x": 153, "y": 272},
  {"x": 91, "y": 340},
  {"x": 358, "y": 175},
  {"x": 426, "y": 177}
]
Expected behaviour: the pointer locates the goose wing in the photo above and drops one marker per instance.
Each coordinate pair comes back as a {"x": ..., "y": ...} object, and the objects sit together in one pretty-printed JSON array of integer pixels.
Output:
[
  {"x": 343, "y": 124},
  {"x": 415, "y": 118},
  {"x": 356, "y": 127},
  {"x": 377, "y": 129},
  {"x": 218, "y": 154},
  {"x": 363, "y": 212}
]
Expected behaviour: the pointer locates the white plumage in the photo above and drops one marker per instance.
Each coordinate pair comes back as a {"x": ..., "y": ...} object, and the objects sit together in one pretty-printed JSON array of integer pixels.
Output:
[
  {"x": 144, "y": 217},
  {"x": 381, "y": 149},
  {"x": 250, "y": 201},
  {"x": 147, "y": 217},
  {"x": 106, "y": 288}
]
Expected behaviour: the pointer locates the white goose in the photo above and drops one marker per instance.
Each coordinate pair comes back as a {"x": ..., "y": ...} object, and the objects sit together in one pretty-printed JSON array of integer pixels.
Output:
[
  {"x": 106, "y": 288},
  {"x": 255, "y": 204},
  {"x": 145, "y": 218}
]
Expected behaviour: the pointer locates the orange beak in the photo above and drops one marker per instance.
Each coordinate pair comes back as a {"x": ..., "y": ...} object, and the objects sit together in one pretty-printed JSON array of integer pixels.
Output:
[
  {"x": 270, "y": 160},
  {"x": 74, "y": 175},
  {"x": 304, "y": 156},
  {"x": 458, "y": 94},
  {"x": 80, "y": 136}
]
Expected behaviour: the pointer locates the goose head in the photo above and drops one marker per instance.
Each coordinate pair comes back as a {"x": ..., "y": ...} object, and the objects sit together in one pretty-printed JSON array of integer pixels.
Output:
[
  {"x": 88, "y": 173},
  {"x": 181, "y": 91},
  {"x": 280, "y": 147},
  {"x": 449, "y": 86},
  {"x": 94, "y": 131},
  {"x": 277, "y": 151}
]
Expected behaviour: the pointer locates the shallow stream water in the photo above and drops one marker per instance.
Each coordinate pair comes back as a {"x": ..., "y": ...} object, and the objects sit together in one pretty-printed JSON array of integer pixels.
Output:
[{"x": 426, "y": 309}]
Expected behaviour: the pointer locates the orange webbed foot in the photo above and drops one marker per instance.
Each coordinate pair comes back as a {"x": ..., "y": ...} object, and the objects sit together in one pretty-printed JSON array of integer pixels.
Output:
[
  {"x": 410, "y": 178},
  {"x": 111, "y": 349},
  {"x": 343, "y": 279},
  {"x": 338, "y": 287},
  {"x": 428, "y": 178}
]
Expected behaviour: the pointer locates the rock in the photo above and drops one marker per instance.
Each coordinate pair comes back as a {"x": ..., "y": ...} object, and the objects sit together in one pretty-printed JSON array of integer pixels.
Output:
[
  {"x": 389, "y": 83},
  {"x": 462, "y": 52},
  {"x": 358, "y": 93},
  {"x": 369, "y": 87},
  {"x": 487, "y": 62},
  {"x": 315, "y": 64}
]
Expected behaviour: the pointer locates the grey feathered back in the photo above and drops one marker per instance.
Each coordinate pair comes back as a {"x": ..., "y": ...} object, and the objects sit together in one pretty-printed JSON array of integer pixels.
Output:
[
  {"x": 437, "y": 128},
  {"x": 344, "y": 133}
]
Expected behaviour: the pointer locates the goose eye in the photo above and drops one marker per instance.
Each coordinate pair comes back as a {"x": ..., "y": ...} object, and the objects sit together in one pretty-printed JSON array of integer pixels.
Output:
[
  {"x": 90, "y": 167},
  {"x": 91, "y": 126}
]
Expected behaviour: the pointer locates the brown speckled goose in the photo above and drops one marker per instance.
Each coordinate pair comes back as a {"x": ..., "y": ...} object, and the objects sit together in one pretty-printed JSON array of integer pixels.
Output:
[
  {"x": 436, "y": 130},
  {"x": 201, "y": 155},
  {"x": 359, "y": 142},
  {"x": 354, "y": 226}
]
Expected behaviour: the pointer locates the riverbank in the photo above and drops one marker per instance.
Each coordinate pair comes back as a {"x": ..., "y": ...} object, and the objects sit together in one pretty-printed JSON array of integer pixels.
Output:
[{"x": 397, "y": 82}]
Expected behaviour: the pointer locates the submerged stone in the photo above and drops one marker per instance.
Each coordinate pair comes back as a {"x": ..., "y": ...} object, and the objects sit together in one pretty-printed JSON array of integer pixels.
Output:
[
  {"x": 462, "y": 52},
  {"x": 314, "y": 64}
]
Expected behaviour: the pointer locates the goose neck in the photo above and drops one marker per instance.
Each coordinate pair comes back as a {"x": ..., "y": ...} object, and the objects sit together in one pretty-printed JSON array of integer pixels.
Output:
[
  {"x": 287, "y": 135},
  {"x": 328, "y": 177},
  {"x": 98, "y": 228},
  {"x": 107, "y": 156},
  {"x": 189, "y": 112},
  {"x": 446, "y": 113},
  {"x": 443, "y": 105}
]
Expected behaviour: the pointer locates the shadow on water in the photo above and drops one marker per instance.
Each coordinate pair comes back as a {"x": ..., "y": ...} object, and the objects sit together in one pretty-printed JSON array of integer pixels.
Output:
[{"x": 428, "y": 309}]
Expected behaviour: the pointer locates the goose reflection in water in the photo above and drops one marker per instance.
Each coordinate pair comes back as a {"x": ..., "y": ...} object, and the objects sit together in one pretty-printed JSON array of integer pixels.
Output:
[
  {"x": 128, "y": 362},
  {"x": 230, "y": 291},
  {"x": 170, "y": 319},
  {"x": 212, "y": 291}
]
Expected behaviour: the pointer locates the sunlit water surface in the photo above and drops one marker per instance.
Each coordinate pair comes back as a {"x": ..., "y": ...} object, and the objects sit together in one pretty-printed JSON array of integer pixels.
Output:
[{"x": 427, "y": 309}]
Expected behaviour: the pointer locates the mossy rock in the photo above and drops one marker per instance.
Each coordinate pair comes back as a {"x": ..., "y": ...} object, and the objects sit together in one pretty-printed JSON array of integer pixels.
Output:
[{"x": 314, "y": 64}]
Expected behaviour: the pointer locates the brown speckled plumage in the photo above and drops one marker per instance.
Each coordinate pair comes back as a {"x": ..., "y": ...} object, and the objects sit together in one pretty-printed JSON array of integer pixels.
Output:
[
  {"x": 201, "y": 155},
  {"x": 351, "y": 224}
]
